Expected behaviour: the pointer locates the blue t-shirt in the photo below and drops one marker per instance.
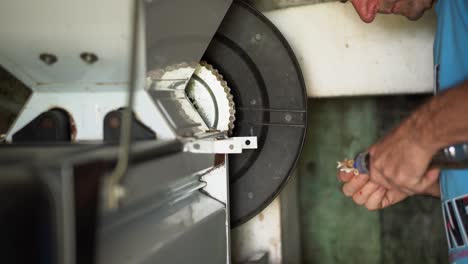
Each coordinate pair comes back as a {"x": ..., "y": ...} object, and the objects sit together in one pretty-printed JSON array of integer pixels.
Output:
[{"x": 451, "y": 68}]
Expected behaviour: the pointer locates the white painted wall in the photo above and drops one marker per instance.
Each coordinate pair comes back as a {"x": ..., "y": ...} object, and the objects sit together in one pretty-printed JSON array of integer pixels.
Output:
[{"x": 340, "y": 55}]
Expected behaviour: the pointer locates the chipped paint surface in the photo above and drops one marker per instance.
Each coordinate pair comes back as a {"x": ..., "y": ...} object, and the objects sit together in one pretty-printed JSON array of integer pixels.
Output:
[
  {"x": 259, "y": 235},
  {"x": 332, "y": 226}
]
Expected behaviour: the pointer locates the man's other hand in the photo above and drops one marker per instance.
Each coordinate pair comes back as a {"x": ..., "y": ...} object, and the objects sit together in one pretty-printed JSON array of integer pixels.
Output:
[
  {"x": 367, "y": 193},
  {"x": 374, "y": 196}
]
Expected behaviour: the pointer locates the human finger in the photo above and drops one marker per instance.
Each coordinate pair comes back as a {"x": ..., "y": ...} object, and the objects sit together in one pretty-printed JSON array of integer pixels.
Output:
[
  {"x": 345, "y": 176},
  {"x": 375, "y": 200},
  {"x": 355, "y": 184},
  {"x": 429, "y": 178},
  {"x": 361, "y": 196},
  {"x": 376, "y": 169}
]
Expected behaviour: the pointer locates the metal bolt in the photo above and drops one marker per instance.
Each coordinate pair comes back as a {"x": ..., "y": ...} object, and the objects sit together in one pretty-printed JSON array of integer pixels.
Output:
[
  {"x": 250, "y": 195},
  {"x": 231, "y": 147},
  {"x": 452, "y": 151},
  {"x": 48, "y": 58},
  {"x": 288, "y": 117},
  {"x": 196, "y": 146},
  {"x": 114, "y": 122},
  {"x": 89, "y": 57},
  {"x": 258, "y": 36}
]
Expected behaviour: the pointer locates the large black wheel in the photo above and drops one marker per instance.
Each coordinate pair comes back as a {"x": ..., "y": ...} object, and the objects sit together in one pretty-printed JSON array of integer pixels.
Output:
[{"x": 270, "y": 100}]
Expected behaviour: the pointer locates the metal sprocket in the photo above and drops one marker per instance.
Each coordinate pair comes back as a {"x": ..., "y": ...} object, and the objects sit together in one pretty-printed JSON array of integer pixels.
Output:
[{"x": 211, "y": 96}]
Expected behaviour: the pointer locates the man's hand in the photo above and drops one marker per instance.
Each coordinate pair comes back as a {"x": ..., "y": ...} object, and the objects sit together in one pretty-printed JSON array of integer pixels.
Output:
[
  {"x": 369, "y": 194},
  {"x": 374, "y": 196},
  {"x": 400, "y": 160}
]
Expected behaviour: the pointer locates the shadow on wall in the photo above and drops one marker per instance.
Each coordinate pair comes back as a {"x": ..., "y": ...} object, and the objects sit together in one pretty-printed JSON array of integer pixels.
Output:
[{"x": 334, "y": 229}]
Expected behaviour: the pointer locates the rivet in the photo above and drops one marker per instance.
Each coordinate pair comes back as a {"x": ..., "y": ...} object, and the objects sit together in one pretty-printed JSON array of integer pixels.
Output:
[
  {"x": 48, "y": 58},
  {"x": 114, "y": 122},
  {"x": 89, "y": 57}
]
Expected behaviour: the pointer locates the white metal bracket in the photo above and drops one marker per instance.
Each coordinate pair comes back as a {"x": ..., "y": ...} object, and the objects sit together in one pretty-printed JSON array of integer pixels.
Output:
[
  {"x": 233, "y": 145},
  {"x": 216, "y": 183}
]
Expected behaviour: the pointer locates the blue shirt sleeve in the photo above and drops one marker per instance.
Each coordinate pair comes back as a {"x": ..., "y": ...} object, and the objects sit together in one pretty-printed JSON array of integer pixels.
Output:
[{"x": 451, "y": 68}]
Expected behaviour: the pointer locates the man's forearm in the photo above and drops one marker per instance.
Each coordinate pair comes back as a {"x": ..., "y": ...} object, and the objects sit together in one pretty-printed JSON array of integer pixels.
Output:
[{"x": 443, "y": 120}]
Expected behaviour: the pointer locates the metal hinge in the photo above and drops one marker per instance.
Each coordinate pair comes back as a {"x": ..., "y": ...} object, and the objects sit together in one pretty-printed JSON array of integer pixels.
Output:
[{"x": 233, "y": 145}]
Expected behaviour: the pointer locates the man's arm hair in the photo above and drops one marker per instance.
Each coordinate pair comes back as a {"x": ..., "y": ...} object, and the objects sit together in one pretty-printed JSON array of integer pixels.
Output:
[{"x": 443, "y": 120}]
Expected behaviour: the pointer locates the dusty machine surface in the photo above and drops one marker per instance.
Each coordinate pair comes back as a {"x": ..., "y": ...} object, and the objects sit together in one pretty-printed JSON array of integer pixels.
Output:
[{"x": 152, "y": 128}]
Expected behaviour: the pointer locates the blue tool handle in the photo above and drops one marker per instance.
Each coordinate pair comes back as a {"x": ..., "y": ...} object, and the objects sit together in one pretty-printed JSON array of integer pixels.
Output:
[{"x": 361, "y": 162}]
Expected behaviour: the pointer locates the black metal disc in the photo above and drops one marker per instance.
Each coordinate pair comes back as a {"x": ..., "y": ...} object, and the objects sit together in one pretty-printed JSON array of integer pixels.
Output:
[{"x": 270, "y": 97}]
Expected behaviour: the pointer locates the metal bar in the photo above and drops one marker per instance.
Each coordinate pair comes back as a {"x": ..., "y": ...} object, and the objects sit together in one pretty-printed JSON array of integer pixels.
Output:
[{"x": 114, "y": 189}]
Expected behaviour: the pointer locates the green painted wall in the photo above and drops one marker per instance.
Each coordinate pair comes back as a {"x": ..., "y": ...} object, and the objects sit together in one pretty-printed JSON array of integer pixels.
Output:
[{"x": 334, "y": 229}]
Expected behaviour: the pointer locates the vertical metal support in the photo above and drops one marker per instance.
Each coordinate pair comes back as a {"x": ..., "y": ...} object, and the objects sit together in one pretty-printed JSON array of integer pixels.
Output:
[
  {"x": 290, "y": 224},
  {"x": 114, "y": 190},
  {"x": 68, "y": 212},
  {"x": 217, "y": 187},
  {"x": 228, "y": 215}
]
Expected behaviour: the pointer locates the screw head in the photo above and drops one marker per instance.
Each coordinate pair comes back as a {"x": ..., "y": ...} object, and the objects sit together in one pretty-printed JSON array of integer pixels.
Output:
[
  {"x": 48, "y": 58},
  {"x": 114, "y": 122},
  {"x": 258, "y": 37},
  {"x": 89, "y": 57}
]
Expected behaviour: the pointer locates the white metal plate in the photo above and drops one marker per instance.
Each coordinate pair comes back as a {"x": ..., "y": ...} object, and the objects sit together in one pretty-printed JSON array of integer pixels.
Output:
[
  {"x": 66, "y": 29},
  {"x": 88, "y": 111},
  {"x": 233, "y": 145}
]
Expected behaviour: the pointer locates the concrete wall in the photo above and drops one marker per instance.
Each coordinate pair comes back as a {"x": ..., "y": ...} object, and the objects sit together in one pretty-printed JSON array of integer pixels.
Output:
[{"x": 333, "y": 228}]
